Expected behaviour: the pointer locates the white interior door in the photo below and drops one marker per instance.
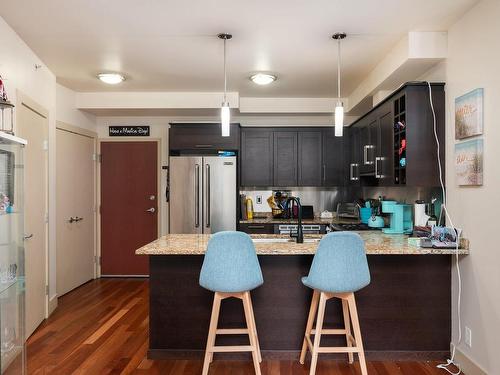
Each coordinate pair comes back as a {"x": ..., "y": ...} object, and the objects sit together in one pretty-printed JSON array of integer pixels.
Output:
[
  {"x": 75, "y": 210},
  {"x": 32, "y": 125}
]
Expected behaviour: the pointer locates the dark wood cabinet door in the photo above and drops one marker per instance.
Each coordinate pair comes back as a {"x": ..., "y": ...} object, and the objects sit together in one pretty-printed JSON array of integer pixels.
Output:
[
  {"x": 384, "y": 163},
  {"x": 256, "y": 228},
  {"x": 285, "y": 158},
  {"x": 202, "y": 137},
  {"x": 310, "y": 164},
  {"x": 333, "y": 158},
  {"x": 257, "y": 158},
  {"x": 355, "y": 157}
]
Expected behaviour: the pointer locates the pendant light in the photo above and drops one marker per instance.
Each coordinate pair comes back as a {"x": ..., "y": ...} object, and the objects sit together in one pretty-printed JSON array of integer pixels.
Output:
[
  {"x": 225, "y": 112},
  {"x": 339, "y": 107}
]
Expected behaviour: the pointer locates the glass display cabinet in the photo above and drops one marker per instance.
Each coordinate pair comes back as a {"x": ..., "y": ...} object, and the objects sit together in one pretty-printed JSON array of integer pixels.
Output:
[{"x": 12, "y": 333}]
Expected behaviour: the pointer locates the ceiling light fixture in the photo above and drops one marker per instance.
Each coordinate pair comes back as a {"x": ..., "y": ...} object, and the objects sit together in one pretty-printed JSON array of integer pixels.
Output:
[
  {"x": 263, "y": 78},
  {"x": 111, "y": 78},
  {"x": 225, "y": 111},
  {"x": 339, "y": 107}
]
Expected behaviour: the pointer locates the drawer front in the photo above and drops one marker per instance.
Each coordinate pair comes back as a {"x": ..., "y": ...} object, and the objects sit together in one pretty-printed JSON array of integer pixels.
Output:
[{"x": 257, "y": 228}]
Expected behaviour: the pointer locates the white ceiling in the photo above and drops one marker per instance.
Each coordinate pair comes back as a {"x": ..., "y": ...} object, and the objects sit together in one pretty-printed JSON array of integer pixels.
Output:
[{"x": 164, "y": 45}]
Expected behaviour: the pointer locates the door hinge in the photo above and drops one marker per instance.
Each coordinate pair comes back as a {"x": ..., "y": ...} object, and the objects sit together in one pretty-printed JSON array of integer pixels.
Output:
[
  {"x": 45, "y": 145},
  {"x": 97, "y": 157},
  {"x": 46, "y": 217},
  {"x": 46, "y": 290},
  {"x": 97, "y": 260}
]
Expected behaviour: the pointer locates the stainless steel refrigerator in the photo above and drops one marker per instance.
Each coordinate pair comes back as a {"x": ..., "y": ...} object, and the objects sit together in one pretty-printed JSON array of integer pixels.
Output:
[{"x": 202, "y": 194}]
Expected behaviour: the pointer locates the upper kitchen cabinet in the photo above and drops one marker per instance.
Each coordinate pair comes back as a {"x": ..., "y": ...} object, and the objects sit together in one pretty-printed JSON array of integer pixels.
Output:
[
  {"x": 311, "y": 169},
  {"x": 396, "y": 144},
  {"x": 202, "y": 136},
  {"x": 285, "y": 158},
  {"x": 333, "y": 158},
  {"x": 257, "y": 157}
]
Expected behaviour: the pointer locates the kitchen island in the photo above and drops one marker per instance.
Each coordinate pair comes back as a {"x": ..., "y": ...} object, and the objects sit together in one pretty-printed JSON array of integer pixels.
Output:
[{"x": 405, "y": 312}]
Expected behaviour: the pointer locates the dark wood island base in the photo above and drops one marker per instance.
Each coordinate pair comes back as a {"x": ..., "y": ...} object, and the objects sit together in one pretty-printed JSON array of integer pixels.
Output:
[{"x": 405, "y": 313}]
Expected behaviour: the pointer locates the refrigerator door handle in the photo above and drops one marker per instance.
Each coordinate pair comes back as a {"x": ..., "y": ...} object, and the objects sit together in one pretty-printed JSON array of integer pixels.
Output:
[
  {"x": 197, "y": 195},
  {"x": 207, "y": 197}
]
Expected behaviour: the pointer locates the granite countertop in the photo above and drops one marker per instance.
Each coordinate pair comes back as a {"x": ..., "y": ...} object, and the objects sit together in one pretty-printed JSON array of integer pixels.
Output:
[{"x": 376, "y": 243}]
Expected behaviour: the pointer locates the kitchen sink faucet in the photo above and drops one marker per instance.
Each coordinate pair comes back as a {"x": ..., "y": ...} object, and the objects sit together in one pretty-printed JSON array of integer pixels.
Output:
[{"x": 300, "y": 235}]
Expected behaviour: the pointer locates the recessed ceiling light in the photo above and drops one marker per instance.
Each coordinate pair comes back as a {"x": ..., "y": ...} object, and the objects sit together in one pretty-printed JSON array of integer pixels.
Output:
[
  {"x": 263, "y": 78},
  {"x": 111, "y": 78}
]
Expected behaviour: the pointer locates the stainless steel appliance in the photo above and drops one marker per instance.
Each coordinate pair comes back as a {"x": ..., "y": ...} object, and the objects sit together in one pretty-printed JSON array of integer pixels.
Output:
[{"x": 202, "y": 194}]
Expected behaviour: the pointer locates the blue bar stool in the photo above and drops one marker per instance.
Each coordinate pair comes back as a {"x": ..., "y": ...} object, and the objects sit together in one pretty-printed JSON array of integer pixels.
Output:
[
  {"x": 231, "y": 269},
  {"x": 339, "y": 269}
]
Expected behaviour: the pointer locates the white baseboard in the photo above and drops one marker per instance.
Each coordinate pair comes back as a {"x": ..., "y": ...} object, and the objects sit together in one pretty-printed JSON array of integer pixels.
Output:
[
  {"x": 52, "y": 305},
  {"x": 468, "y": 366}
]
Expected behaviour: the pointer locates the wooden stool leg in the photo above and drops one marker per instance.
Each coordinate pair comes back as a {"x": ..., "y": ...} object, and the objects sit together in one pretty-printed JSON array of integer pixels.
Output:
[
  {"x": 309, "y": 325},
  {"x": 357, "y": 333},
  {"x": 254, "y": 327},
  {"x": 317, "y": 336},
  {"x": 214, "y": 319},
  {"x": 251, "y": 331},
  {"x": 347, "y": 325}
]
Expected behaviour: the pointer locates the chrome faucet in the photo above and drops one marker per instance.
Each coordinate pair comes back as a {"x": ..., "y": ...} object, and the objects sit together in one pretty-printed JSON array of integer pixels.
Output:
[{"x": 300, "y": 235}]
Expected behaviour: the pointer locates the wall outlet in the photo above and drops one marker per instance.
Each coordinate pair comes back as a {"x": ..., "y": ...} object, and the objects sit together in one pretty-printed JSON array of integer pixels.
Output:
[
  {"x": 468, "y": 337},
  {"x": 258, "y": 199}
]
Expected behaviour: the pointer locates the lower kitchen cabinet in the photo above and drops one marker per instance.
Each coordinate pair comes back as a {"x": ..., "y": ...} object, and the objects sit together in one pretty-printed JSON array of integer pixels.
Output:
[{"x": 256, "y": 228}]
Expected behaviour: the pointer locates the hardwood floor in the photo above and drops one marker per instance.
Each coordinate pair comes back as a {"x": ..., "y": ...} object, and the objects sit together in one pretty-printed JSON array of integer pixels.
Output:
[{"x": 102, "y": 328}]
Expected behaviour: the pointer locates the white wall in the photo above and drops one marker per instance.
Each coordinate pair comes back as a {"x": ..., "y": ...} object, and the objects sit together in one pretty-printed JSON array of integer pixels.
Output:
[
  {"x": 67, "y": 112},
  {"x": 473, "y": 61},
  {"x": 17, "y": 67}
]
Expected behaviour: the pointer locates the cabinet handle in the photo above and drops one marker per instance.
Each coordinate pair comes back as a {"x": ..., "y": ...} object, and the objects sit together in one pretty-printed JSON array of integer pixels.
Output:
[
  {"x": 324, "y": 172},
  {"x": 377, "y": 159},
  {"x": 352, "y": 177},
  {"x": 203, "y": 146},
  {"x": 365, "y": 154},
  {"x": 255, "y": 227}
]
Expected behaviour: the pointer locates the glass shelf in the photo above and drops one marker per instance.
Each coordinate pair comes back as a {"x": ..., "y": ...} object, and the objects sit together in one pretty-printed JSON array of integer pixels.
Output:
[{"x": 12, "y": 291}]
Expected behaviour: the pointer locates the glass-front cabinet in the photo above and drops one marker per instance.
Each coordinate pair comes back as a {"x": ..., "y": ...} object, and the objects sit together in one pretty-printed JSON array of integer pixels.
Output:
[{"x": 12, "y": 335}]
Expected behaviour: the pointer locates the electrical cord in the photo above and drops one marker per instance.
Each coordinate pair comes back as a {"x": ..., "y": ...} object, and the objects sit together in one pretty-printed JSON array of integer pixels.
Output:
[{"x": 450, "y": 361}]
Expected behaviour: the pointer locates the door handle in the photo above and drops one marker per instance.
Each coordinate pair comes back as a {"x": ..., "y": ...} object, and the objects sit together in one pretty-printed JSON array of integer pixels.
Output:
[
  {"x": 27, "y": 236},
  {"x": 197, "y": 195},
  {"x": 72, "y": 220},
  {"x": 152, "y": 210},
  {"x": 207, "y": 198}
]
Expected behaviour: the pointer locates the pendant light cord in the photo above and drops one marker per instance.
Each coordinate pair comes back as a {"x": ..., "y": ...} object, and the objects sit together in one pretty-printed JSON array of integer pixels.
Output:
[
  {"x": 225, "y": 76},
  {"x": 338, "y": 69}
]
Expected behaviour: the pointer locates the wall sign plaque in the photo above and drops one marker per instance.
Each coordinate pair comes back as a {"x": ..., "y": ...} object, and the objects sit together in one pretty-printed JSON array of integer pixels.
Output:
[{"x": 129, "y": 131}]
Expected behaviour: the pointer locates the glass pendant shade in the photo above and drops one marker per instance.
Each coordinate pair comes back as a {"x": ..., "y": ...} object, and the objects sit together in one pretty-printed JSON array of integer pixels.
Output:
[
  {"x": 339, "y": 119},
  {"x": 225, "y": 119}
]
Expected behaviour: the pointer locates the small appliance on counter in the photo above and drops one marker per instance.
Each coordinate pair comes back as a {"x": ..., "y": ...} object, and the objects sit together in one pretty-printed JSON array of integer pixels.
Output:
[
  {"x": 279, "y": 204},
  {"x": 376, "y": 221},
  {"x": 347, "y": 211},
  {"x": 424, "y": 213},
  {"x": 401, "y": 217}
]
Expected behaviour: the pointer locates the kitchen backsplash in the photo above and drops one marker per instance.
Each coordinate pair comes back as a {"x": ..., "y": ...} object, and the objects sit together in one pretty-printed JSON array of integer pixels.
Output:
[
  {"x": 320, "y": 199},
  {"x": 323, "y": 199}
]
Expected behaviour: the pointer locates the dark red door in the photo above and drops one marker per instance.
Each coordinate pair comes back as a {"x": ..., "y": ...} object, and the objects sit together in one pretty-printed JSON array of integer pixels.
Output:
[{"x": 129, "y": 205}]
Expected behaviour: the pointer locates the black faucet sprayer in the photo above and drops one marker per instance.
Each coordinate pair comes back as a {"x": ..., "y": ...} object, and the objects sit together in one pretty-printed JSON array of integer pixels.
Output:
[{"x": 300, "y": 234}]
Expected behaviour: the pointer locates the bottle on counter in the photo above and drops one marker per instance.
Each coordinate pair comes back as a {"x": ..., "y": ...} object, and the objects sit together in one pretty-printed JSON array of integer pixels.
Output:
[{"x": 249, "y": 207}]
